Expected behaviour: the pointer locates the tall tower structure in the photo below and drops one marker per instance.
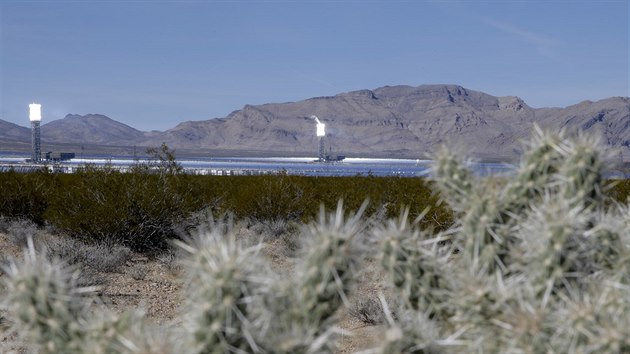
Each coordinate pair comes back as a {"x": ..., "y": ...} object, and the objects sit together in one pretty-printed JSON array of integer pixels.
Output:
[
  {"x": 321, "y": 134},
  {"x": 35, "y": 116}
]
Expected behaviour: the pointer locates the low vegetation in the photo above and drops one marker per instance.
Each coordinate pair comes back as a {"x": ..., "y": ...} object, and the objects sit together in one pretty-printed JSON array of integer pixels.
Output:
[
  {"x": 535, "y": 263},
  {"x": 147, "y": 207}
]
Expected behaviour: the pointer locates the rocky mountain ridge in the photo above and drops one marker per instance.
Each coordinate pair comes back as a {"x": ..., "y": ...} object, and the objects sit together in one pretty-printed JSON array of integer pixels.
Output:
[{"x": 391, "y": 121}]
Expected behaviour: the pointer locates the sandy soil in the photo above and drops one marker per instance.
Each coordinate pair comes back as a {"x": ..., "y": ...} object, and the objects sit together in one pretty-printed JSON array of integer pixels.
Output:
[{"x": 159, "y": 291}]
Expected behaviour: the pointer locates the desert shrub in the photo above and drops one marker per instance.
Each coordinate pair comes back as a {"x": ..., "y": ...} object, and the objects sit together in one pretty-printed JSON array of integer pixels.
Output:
[
  {"x": 4, "y": 262},
  {"x": 273, "y": 229},
  {"x": 370, "y": 310},
  {"x": 619, "y": 190},
  {"x": 387, "y": 196},
  {"x": 298, "y": 198},
  {"x": 269, "y": 198},
  {"x": 284, "y": 235},
  {"x": 171, "y": 260},
  {"x": 145, "y": 208},
  {"x": 138, "y": 271},
  {"x": 4, "y": 325},
  {"x": 71, "y": 251},
  {"x": 290, "y": 242},
  {"x": 101, "y": 257},
  {"x": 137, "y": 210},
  {"x": 162, "y": 160},
  {"x": 5, "y": 223},
  {"x": 20, "y": 230},
  {"x": 26, "y": 195},
  {"x": 90, "y": 278},
  {"x": 106, "y": 258},
  {"x": 280, "y": 227}
]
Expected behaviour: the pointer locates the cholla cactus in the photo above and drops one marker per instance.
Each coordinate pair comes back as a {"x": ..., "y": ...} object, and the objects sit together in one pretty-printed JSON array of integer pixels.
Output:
[
  {"x": 540, "y": 261},
  {"x": 128, "y": 332},
  {"x": 47, "y": 306},
  {"x": 329, "y": 264},
  {"x": 580, "y": 175},
  {"x": 553, "y": 248},
  {"x": 53, "y": 313},
  {"x": 540, "y": 162},
  {"x": 324, "y": 275},
  {"x": 593, "y": 321},
  {"x": 416, "y": 265},
  {"x": 553, "y": 165},
  {"x": 225, "y": 278},
  {"x": 453, "y": 179},
  {"x": 414, "y": 333},
  {"x": 610, "y": 241},
  {"x": 237, "y": 304}
]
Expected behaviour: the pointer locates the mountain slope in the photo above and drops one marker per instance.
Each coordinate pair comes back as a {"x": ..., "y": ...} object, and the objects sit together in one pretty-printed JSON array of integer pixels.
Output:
[
  {"x": 608, "y": 118},
  {"x": 12, "y": 131},
  {"x": 90, "y": 129},
  {"x": 399, "y": 121}
]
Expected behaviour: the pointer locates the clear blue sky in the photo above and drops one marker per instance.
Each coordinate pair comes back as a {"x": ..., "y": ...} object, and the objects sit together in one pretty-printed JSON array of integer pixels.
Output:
[{"x": 153, "y": 64}]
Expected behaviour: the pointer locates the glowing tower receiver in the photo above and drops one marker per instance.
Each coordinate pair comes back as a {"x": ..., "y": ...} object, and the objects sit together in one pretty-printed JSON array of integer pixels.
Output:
[
  {"x": 321, "y": 133},
  {"x": 35, "y": 116},
  {"x": 321, "y": 129}
]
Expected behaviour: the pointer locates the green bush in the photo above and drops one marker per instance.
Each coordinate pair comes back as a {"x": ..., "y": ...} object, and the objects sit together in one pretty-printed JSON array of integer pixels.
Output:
[
  {"x": 99, "y": 257},
  {"x": 619, "y": 190},
  {"x": 269, "y": 198},
  {"x": 26, "y": 195},
  {"x": 145, "y": 208},
  {"x": 137, "y": 210},
  {"x": 20, "y": 230}
]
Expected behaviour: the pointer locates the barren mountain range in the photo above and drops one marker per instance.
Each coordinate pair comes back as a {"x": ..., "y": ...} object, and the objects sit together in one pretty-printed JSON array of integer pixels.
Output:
[{"x": 391, "y": 121}]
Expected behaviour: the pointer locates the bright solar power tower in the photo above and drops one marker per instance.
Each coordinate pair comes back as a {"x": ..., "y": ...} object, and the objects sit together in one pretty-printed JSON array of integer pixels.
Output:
[
  {"x": 321, "y": 134},
  {"x": 35, "y": 116}
]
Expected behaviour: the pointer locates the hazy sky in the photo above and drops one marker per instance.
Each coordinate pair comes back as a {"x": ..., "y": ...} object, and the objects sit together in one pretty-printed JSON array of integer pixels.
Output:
[{"x": 153, "y": 64}]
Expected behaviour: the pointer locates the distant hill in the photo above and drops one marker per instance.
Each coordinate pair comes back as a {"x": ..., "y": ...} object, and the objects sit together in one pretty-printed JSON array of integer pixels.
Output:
[
  {"x": 399, "y": 121},
  {"x": 90, "y": 129},
  {"x": 10, "y": 131},
  {"x": 391, "y": 121}
]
